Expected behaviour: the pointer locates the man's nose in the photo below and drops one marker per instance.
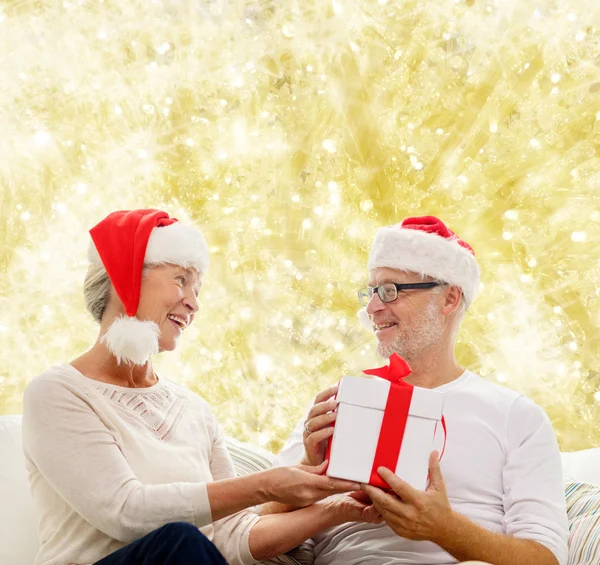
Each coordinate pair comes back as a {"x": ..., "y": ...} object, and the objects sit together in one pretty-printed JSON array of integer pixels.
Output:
[{"x": 375, "y": 304}]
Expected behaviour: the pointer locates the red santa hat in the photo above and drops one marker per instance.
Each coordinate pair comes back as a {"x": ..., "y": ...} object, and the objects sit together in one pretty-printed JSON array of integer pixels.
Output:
[
  {"x": 425, "y": 245},
  {"x": 123, "y": 243}
]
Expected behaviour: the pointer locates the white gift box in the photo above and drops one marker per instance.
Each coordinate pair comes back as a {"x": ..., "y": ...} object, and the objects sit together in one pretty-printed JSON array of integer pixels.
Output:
[{"x": 360, "y": 411}]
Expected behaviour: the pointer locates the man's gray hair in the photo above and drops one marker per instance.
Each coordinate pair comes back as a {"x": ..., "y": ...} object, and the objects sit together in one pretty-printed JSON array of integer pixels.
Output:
[{"x": 463, "y": 306}]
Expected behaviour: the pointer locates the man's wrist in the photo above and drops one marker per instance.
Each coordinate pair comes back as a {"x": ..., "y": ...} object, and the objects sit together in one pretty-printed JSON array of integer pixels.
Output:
[{"x": 450, "y": 530}]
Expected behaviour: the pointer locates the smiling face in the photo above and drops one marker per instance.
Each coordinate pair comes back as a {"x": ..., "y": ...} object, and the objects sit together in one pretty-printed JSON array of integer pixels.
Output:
[
  {"x": 168, "y": 297},
  {"x": 415, "y": 323}
]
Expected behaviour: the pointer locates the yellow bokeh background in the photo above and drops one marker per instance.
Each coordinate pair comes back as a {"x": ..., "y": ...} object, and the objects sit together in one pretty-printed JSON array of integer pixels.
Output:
[{"x": 290, "y": 131}]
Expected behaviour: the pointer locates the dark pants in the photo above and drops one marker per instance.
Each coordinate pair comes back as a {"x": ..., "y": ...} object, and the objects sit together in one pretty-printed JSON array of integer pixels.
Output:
[{"x": 178, "y": 543}]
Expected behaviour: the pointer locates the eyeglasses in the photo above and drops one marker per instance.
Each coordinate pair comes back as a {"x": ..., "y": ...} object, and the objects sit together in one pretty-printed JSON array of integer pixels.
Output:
[{"x": 388, "y": 292}]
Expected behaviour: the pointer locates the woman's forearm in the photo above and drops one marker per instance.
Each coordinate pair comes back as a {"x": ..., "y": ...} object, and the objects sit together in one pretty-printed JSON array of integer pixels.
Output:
[
  {"x": 294, "y": 486},
  {"x": 278, "y": 533},
  {"x": 228, "y": 496},
  {"x": 275, "y": 508}
]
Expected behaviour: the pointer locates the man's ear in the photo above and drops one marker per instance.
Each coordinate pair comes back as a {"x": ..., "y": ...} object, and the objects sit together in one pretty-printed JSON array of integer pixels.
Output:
[{"x": 453, "y": 297}]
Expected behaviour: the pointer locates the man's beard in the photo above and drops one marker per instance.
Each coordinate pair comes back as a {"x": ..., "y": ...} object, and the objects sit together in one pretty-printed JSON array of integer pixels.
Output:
[{"x": 422, "y": 332}]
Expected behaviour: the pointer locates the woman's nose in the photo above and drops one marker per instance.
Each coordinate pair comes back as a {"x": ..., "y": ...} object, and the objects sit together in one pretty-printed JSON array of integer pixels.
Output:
[{"x": 191, "y": 302}]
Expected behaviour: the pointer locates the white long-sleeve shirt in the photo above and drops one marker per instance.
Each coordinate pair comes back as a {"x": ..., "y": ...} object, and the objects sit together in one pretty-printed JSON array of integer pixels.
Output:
[
  {"x": 109, "y": 464},
  {"x": 502, "y": 469}
]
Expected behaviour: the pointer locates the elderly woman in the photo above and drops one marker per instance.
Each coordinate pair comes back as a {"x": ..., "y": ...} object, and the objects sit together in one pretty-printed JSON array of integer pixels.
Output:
[{"x": 128, "y": 468}]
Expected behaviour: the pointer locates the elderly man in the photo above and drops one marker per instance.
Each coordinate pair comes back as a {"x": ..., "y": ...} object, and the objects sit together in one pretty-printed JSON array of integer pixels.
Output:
[{"x": 497, "y": 495}]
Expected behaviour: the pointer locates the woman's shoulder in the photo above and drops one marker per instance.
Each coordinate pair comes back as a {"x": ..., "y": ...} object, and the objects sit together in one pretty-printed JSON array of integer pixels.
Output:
[{"x": 53, "y": 382}]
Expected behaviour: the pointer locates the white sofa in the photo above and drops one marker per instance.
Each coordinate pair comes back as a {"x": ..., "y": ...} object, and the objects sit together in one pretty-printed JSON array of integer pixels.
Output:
[{"x": 18, "y": 539}]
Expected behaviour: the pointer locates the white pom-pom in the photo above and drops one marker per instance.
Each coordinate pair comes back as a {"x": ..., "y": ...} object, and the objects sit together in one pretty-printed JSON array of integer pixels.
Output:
[
  {"x": 132, "y": 341},
  {"x": 363, "y": 318}
]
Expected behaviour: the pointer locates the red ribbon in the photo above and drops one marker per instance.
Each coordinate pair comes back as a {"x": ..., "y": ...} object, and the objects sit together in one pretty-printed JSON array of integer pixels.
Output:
[{"x": 394, "y": 418}]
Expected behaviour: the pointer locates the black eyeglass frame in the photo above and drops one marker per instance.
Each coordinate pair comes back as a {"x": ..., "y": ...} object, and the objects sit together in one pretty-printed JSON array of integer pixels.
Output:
[{"x": 369, "y": 291}]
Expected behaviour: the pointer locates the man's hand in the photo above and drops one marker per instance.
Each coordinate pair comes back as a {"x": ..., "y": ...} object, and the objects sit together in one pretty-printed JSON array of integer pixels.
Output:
[
  {"x": 412, "y": 513},
  {"x": 419, "y": 515},
  {"x": 318, "y": 427}
]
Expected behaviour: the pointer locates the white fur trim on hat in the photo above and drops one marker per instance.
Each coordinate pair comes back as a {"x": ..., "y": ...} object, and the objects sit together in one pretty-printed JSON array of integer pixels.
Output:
[
  {"x": 132, "y": 341},
  {"x": 176, "y": 244},
  {"x": 426, "y": 254}
]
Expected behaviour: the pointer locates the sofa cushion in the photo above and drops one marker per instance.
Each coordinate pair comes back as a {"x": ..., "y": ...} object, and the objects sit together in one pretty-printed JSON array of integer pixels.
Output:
[
  {"x": 583, "y": 509},
  {"x": 582, "y": 465},
  {"x": 248, "y": 458},
  {"x": 18, "y": 535}
]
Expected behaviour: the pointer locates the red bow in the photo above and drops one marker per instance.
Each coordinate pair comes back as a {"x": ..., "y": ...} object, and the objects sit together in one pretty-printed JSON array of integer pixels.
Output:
[{"x": 394, "y": 372}]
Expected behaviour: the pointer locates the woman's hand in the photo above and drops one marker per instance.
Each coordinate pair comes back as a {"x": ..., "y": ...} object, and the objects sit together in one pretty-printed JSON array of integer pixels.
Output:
[
  {"x": 274, "y": 534},
  {"x": 318, "y": 427},
  {"x": 353, "y": 507},
  {"x": 303, "y": 485}
]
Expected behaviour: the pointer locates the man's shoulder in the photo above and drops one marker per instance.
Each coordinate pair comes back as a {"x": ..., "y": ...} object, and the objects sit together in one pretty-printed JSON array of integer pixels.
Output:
[
  {"x": 488, "y": 393},
  {"x": 489, "y": 390}
]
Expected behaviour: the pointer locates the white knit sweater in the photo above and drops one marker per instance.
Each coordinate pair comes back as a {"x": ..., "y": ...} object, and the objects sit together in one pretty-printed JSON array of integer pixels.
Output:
[{"x": 109, "y": 464}]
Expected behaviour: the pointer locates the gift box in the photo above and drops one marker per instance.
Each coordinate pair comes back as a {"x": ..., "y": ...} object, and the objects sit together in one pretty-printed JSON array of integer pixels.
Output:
[{"x": 384, "y": 422}]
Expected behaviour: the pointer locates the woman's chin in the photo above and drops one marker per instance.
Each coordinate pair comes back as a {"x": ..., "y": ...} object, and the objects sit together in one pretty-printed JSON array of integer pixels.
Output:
[{"x": 170, "y": 345}]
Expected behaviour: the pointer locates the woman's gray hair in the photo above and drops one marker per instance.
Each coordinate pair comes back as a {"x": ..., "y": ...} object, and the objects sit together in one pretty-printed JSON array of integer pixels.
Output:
[
  {"x": 96, "y": 291},
  {"x": 97, "y": 287}
]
